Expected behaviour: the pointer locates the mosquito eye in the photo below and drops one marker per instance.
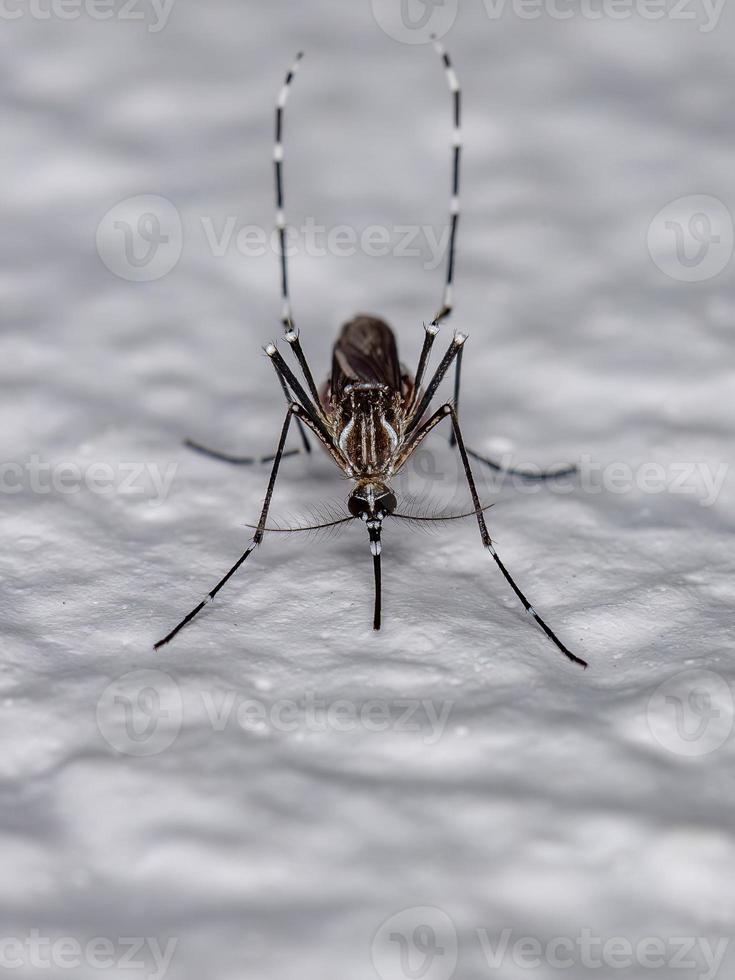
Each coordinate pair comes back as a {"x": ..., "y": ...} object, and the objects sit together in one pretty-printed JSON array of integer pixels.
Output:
[
  {"x": 358, "y": 507},
  {"x": 387, "y": 503}
]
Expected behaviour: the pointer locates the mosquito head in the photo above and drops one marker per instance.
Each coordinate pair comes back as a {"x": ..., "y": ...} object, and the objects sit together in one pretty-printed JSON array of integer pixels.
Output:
[{"x": 372, "y": 501}]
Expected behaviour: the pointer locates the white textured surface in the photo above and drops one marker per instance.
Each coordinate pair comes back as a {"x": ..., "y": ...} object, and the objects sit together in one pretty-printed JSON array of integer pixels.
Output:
[{"x": 546, "y": 806}]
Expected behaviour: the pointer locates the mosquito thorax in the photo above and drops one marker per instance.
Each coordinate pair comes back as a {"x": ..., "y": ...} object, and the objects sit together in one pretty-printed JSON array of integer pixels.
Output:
[
  {"x": 365, "y": 398},
  {"x": 367, "y": 427},
  {"x": 372, "y": 501}
]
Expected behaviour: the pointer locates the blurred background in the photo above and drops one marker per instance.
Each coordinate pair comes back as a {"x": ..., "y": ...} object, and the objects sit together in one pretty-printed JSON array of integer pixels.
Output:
[{"x": 281, "y": 792}]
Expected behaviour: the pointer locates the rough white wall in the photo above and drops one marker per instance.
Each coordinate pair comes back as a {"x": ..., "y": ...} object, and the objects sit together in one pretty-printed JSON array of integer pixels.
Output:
[{"x": 548, "y": 801}]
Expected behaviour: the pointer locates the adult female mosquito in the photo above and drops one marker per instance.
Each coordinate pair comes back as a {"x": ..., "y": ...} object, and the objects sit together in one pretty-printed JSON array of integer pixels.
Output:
[{"x": 372, "y": 414}]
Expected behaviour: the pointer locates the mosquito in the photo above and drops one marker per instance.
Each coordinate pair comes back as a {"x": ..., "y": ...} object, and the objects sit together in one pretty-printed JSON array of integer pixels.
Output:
[{"x": 372, "y": 414}]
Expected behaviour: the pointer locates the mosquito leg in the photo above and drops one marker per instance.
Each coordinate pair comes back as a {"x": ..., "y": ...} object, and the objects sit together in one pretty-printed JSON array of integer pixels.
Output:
[
  {"x": 285, "y": 299},
  {"x": 278, "y": 174},
  {"x": 487, "y": 542},
  {"x": 430, "y": 333},
  {"x": 566, "y": 470},
  {"x": 254, "y": 460},
  {"x": 447, "y": 301},
  {"x": 299, "y": 423},
  {"x": 417, "y": 438},
  {"x": 292, "y": 338},
  {"x": 526, "y": 474},
  {"x": 454, "y": 348},
  {"x": 443, "y": 412},
  {"x": 456, "y": 93},
  {"x": 286, "y": 318},
  {"x": 454, "y": 210},
  {"x": 257, "y": 537},
  {"x": 457, "y": 384},
  {"x": 312, "y": 412},
  {"x": 237, "y": 460}
]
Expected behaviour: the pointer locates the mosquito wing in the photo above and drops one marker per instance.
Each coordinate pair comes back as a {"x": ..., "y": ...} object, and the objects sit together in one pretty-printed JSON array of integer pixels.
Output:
[{"x": 365, "y": 351}]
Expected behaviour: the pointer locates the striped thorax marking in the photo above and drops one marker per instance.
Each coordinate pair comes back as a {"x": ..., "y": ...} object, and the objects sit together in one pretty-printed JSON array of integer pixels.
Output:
[{"x": 368, "y": 429}]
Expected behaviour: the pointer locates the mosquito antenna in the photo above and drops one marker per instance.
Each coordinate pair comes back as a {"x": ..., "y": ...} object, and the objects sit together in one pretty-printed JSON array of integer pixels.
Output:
[
  {"x": 438, "y": 518},
  {"x": 455, "y": 90},
  {"x": 306, "y": 527}
]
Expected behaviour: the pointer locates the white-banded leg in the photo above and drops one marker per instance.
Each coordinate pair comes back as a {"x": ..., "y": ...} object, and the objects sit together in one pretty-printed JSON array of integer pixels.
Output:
[
  {"x": 456, "y": 93},
  {"x": 430, "y": 332},
  {"x": 286, "y": 318},
  {"x": 293, "y": 410},
  {"x": 286, "y": 312},
  {"x": 285, "y": 300},
  {"x": 311, "y": 411},
  {"x": 253, "y": 460},
  {"x": 446, "y": 362},
  {"x": 448, "y": 298},
  {"x": 418, "y": 410},
  {"x": 292, "y": 338},
  {"x": 447, "y": 411}
]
